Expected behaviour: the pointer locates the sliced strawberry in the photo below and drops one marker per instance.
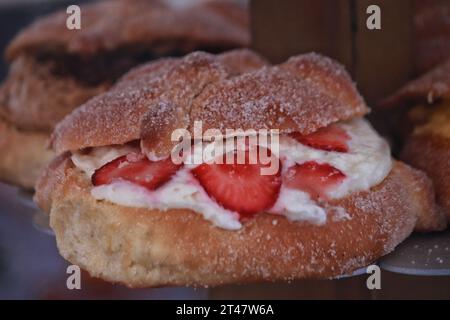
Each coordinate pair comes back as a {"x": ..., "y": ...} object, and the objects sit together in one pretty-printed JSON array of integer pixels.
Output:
[
  {"x": 135, "y": 168},
  {"x": 314, "y": 178},
  {"x": 240, "y": 187},
  {"x": 331, "y": 138}
]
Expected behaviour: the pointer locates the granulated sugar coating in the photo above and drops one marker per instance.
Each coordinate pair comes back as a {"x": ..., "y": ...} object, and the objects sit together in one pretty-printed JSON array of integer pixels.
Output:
[
  {"x": 303, "y": 94},
  {"x": 235, "y": 90},
  {"x": 115, "y": 117}
]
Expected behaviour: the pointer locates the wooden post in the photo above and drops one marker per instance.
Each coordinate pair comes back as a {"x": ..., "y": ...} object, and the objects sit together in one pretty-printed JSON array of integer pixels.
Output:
[
  {"x": 281, "y": 29},
  {"x": 380, "y": 61},
  {"x": 383, "y": 59}
]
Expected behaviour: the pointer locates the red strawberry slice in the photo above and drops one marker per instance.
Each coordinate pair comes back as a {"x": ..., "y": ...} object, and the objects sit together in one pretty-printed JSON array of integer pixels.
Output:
[
  {"x": 314, "y": 178},
  {"x": 240, "y": 187},
  {"x": 331, "y": 138},
  {"x": 135, "y": 168}
]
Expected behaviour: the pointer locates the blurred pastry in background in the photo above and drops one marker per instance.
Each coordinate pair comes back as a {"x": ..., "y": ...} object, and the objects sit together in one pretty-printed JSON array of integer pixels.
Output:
[
  {"x": 431, "y": 33},
  {"x": 54, "y": 69},
  {"x": 424, "y": 128}
]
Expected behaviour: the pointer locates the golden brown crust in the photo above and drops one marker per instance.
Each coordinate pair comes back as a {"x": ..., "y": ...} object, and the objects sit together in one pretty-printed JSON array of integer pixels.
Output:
[
  {"x": 431, "y": 153},
  {"x": 142, "y": 247},
  {"x": 303, "y": 94},
  {"x": 23, "y": 155},
  {"x": 432, "y": 86},
  {"x": 156, "y": 24}
]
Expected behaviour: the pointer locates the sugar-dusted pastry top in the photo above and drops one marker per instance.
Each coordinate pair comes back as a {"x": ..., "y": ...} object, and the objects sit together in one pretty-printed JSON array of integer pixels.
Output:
[{"x": 305, "y": 93}]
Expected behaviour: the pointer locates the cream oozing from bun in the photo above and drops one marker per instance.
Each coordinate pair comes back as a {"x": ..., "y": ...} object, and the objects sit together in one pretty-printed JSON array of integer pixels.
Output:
[{"x": 366, "y": 164}]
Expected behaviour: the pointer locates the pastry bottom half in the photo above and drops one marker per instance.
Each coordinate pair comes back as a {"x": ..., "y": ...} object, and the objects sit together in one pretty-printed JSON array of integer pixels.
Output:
[{"x": 141, "y": 247}]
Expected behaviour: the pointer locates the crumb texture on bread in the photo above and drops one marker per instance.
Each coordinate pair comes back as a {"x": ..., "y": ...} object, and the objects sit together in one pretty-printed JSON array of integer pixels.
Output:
[
  {"x": 143, "y": 248},
  {"x": 303, "y": 94}
]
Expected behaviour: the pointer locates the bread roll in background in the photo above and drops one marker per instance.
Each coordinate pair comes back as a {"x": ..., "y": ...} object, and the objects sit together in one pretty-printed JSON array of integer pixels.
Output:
[{"x": 431, "y": 33}]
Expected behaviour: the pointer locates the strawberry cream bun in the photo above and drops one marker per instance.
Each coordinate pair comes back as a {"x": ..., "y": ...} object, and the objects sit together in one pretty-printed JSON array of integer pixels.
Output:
[{"x": 332, "y": 199}]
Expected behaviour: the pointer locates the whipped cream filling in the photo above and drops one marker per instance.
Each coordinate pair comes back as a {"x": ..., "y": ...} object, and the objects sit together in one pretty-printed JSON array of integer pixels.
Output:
[
  {"x": 182, "y": 191},
  {"x": 366, "y": 164},
  {"x": 99, "y": 156}
]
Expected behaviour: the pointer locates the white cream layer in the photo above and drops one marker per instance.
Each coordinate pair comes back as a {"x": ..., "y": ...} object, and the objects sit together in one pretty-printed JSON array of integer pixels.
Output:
[{"x": 366, "y": 164}]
